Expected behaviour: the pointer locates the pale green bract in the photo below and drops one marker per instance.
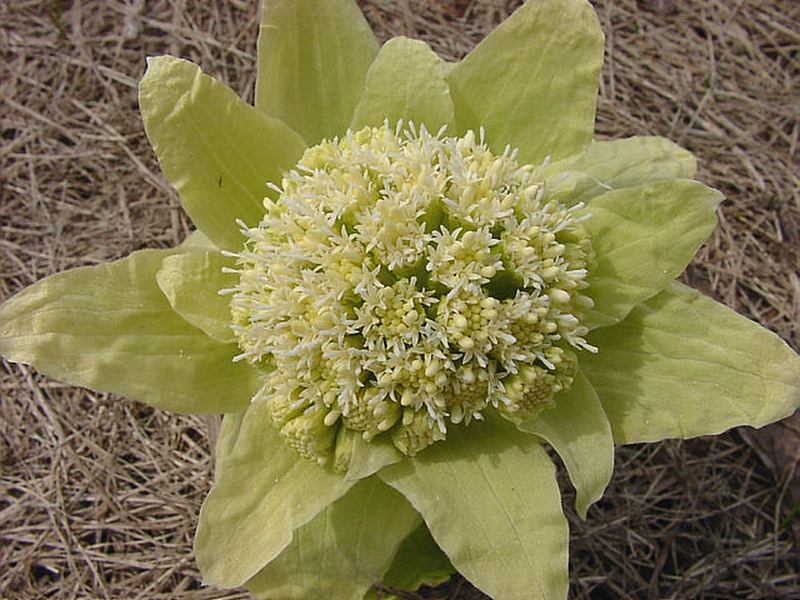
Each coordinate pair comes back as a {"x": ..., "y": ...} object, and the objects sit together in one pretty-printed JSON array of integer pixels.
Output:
[{"x": 417, "y": 307}]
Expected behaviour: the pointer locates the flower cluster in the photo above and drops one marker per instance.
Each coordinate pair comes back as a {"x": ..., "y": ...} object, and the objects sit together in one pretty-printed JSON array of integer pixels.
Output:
[{"x": 403, "y": 280}]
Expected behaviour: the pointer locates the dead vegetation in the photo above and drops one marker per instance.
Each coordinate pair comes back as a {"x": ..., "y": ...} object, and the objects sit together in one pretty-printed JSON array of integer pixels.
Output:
[{"x": 99, "y": 496}]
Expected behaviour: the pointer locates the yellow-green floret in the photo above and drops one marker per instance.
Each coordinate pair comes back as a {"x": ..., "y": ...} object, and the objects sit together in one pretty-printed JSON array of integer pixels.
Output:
[{"x": 402, "y": 283}]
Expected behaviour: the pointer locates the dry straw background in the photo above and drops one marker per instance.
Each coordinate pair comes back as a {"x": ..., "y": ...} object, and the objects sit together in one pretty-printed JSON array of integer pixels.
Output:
[{"x": 99, "y": 495}]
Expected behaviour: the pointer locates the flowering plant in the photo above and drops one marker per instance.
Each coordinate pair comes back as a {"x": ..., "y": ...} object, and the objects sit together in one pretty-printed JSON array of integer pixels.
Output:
[{"x": 446, "y": 272}]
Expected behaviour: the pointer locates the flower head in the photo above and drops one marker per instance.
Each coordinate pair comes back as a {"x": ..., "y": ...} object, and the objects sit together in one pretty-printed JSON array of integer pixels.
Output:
[
  {"x": 417, "y": 312},
  {"x": 402, "y": 282}
]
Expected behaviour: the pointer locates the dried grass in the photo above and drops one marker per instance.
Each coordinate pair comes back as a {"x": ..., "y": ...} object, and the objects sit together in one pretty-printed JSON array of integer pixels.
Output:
[{"x": 99, "y": 496}]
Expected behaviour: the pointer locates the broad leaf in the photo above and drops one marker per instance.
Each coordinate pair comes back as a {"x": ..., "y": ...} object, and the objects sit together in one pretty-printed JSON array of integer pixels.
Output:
[
  {"x": 406, "y": 81},
  {"x": 644, "y": 237},
  {"x": 419, "y": 561},
  {"x": 191, "y": 281},
  {"x": 533, "y": 81},
  {"x": 313, "y": 57},
  {"x": 344, "y": 550},
  {"x": 216, "y": 150},
  {"x": 264, "y": 491},
  {"x": 578, "y": 429},
  {"x": 110, "y": 328},
  {"x": 607, "y": 166},
  {"x": 490, "y": 499},
  {"x": 683, "y": 365}
]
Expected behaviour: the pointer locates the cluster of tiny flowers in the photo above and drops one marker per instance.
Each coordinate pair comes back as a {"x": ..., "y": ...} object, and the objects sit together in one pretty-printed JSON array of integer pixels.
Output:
[{"x": 401, "y": 283}]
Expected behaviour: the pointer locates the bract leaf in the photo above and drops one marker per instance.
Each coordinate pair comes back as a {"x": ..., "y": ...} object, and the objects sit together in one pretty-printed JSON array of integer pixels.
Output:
[
  {"x": 406, "y": 81},
  {"x": 612, "y": 165},
  {"x": 344, "y": 550},
  {"x": 313, "y": 58},
  {"x": 682, "y": 365},
  {"x": 216, "y": 150},
  {"x": 228, "y": 433},
  {"x": 419, "y": 561},
  {"x": 109, "y": 328},
  {"x": 191, "y": 281},
  {"x": 490, "y": 500},
  {"x": 369, "y": 458},
  {"x": 578, "y": 430},
  {"x": 644, "y": 237},
  {"x": 532, "y": 83},
  {"x": 263, "y": 492},
  {"x": 196, "y": 239}
]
